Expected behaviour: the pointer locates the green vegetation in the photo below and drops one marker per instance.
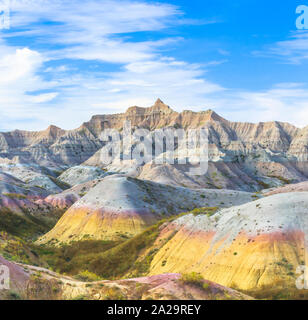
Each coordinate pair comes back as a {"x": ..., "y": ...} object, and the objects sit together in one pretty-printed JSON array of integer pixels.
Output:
[
  {"x": 17, "y": 250},
  {"x": 288, "y": 267},
  {"x": 282, "y": 179},
  {"x": 192, "y": 278},
  {"x": 209, "y": 211},
  {"x": 62, "y": 185},
  {"x": 24, "y": 227},
  {"x": 114, "y": 293},
  {"x": 121, "y": 259},
  {"x": 80, "y": 297},
  {"x": 278, "y": 291},
  {"x": 73, "y": 258},
  {"x": 14, "y": 295},
  {"x": 196, "y": 279},
  {"x": 263, "y": 184},
  {"x": 15, "y": 196},
  {"x": 87, "y": 276},
  {"x": 105, "y": 259}
]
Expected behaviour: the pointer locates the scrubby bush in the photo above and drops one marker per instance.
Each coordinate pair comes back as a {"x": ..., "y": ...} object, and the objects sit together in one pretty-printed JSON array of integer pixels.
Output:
[
  {"x": 87, "y": 276},
  {"x": 15, "y": 196},
  {"x": 192, "y": 278}
]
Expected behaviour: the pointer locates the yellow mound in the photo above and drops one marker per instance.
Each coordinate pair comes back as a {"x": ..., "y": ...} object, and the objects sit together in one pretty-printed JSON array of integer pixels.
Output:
[
  {"x": 266, "y": 260},
  {"x": 82, "y": 223}
]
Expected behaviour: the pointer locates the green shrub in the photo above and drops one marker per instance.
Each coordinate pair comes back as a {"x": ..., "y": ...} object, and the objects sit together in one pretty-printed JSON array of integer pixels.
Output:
[
  {"x": 62, "y": 185},
  {"x": 209, "y": 211},
  {"x": 14, "y": 295},
  {"x": 192, "y": 278},
  {"x": 87, "y": 276},
  {"x": 15, "y": 196}
]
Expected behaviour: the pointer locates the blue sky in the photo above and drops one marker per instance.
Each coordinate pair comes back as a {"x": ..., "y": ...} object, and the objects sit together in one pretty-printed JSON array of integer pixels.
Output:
[{"x": 63, "y": 61}]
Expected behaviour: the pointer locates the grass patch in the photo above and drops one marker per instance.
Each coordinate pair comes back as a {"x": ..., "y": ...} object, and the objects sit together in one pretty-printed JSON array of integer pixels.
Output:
[
  {"x": 73, "y": 258},
  {"x": 209, "y": 211},
  {"x": 263, "y": 184},
  {"x": 195, "y": 279},
  {"x": 278, "y": 292},
  {"x": 192, "y": 278},
  {"x": 25, "y": 227},
  {"x": 106, "y": 259},
  {"x": 87, "y": 276},
  {"x": 14, "y": 295},
  {"x": 62, "y": 185},
  {"x": 15, "y": 196},
  {"x": 118, "y": 261},
  {"x": 282, "y": 179}
]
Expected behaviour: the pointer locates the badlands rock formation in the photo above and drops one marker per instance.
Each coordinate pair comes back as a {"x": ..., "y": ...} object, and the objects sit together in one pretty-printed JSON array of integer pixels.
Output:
[
  {"x": 243, "y": 156},
  {"x": 297, "y": 187},
  {"x": 121, "y": 207},
  {"x": 253, "y": 246},
  {"x": 81, "y": 174},
  {"x": 68, "y": 197},
  {"x": 33, "y": 175},
  {"x": 18, "y": 196}
]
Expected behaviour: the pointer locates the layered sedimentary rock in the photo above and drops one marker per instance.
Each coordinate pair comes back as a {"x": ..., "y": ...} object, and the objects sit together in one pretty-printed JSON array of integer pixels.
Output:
[
  {"x": 33, "y": 175},
  {"x": 17, "y": 195},
  {"x": 297, "y": 187},
  {"x": 121, "y": 207},
  {"x": 81, "y": 174},
  {"x": 253, "y": 246},
  {"x": 262, "y": 154},
  {"x": 22, "y": 207},
  {"x": 67, "y": 198}
]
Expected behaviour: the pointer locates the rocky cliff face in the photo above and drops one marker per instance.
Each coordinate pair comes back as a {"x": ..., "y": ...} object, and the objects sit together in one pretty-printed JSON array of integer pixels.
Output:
[{"x": 266, "y": 153}]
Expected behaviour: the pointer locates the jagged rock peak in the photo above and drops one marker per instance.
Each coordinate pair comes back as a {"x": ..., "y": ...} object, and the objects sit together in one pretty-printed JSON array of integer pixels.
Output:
[
  {"x": 53, "y": 131},
  {"x": 158, "y": 107},
  {"x": 208, "y": 115},
  {"x": 161, "y": 107},
  {"x": 53, "y": 128},
  {"x": 214, "y": 116}
]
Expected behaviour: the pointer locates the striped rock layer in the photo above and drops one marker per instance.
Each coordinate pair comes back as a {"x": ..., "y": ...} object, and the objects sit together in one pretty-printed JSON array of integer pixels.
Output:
[
  {"x": 121, "y": 207},
  {"x": 251, "y": 246}
]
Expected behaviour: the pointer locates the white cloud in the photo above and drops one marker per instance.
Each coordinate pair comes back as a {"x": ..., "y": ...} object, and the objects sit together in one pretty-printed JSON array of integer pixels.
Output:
[
  {"x": 294, "y": 50},
  {"x": 45, "y": 97},
  {"x": 18, "y": 78},
  {"x": 102, "y": 31},
  {"x": 286, "y": 102},
  {"x": 19, "y": 65},
  {"x": 98, "y": 31}
]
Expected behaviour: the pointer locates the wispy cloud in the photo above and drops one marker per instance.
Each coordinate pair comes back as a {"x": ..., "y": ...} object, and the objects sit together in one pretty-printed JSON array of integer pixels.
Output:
[
  {"x": 101, "y": 31},
  {"x": 285, "y": 102},
  {"x": 83, "y": 58},
  {"x": 294, "y": 50}
]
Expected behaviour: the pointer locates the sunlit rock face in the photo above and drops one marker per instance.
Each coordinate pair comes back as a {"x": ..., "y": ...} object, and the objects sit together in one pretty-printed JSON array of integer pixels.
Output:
[
  {"x": 242, "y": 156},
  {"x": 120, "y": 207},
  {"x": 251, "y": 246}
]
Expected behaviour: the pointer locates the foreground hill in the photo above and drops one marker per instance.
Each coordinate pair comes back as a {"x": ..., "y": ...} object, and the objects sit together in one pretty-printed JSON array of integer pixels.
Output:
[
  {"x": 34, "y": 283},
  {"x": 254, "y": 246},
  {"x": 120, "y": 207}
]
